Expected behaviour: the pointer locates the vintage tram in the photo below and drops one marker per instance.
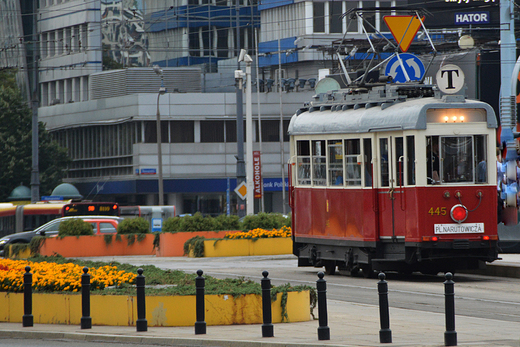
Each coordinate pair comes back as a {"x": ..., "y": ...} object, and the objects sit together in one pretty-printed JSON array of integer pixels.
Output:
[{"x": 393, "y": 177}]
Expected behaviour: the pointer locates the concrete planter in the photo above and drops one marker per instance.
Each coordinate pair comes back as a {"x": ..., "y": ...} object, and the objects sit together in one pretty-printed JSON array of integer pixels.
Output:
[
  {"x": 247, "y": 247},
  {"x": 172, "y": 244},
  {"x": 96, "y": 246},
  {"x": 121, "y": 310}
]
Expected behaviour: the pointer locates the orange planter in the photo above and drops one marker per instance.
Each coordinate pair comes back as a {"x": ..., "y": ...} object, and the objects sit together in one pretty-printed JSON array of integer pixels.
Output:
[
  {"x": 172, "y": 244},
  {"x": 95, "y": 246}
]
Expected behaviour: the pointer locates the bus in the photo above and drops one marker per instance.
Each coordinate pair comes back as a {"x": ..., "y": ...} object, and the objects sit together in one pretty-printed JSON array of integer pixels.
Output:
[{"x": 18, "y": 218}]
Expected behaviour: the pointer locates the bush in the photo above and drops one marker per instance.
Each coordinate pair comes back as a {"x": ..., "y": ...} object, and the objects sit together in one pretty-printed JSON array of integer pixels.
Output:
[
  {"x": 137, "y": 225},
  {"x": 225, "y": 222},
  {"x": 266, "y": 221},
  {"x": 74, "y": 227},
  {"x": 197, "y": 222},
  {"x": 172, "y": 225}
]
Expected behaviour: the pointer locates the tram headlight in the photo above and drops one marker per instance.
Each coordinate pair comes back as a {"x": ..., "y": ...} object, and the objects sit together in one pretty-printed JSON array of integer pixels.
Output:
[{"x": 459, "y": 213}]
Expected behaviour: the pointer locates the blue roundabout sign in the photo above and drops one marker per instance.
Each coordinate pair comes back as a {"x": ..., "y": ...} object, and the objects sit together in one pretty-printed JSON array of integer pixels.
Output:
[{"x": 412, "y": 65}]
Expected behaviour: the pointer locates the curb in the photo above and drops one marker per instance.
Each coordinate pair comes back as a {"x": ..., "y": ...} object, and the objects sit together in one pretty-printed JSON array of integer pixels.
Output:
[{"x": 160, "y": 341}]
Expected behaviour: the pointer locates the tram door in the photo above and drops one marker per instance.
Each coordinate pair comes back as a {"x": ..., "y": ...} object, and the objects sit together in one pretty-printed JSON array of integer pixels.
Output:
[{"x": 390, "y": 199}]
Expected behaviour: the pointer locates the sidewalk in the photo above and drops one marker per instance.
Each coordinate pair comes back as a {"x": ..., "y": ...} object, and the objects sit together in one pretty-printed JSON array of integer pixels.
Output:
[{"x": 350, "y": 325}]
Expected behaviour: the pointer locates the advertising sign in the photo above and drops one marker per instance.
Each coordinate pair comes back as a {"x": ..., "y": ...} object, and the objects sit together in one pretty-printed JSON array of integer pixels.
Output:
[{"x": 257, "y": 174}]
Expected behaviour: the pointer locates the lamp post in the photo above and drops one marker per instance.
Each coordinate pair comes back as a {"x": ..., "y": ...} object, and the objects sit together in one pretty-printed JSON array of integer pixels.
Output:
[
  {"x": 250, "y": 207},
  {"x": 162, "y": 91}
]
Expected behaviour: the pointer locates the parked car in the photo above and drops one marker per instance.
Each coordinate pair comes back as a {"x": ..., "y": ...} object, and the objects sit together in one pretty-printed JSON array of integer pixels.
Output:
[{"x": 100, "y": 225}]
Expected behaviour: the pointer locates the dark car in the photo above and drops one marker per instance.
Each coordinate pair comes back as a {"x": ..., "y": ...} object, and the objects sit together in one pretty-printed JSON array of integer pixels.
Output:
[{"x": 100, "y": 225}]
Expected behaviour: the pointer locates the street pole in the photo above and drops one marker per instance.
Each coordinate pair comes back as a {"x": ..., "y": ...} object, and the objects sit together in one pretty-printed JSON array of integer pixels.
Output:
[
  {"x": 241, "y": 170},
  {"x": 508, "y": 105},
  {"x": 162, "y": 91},
  {"x": 250, "y": 199},
  {"x": 35, "y": 175}
]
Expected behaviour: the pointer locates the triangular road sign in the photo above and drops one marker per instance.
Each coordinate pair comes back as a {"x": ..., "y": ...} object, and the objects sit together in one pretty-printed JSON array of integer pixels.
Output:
[{"x": 404, "y": 29}]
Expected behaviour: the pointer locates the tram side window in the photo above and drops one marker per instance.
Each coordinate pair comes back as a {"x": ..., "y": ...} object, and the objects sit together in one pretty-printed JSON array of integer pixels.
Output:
[
  {"x": 319, "y": 163},
  {"x": 353, "y": 169},
  {"x": 399, "y": 154},
  {"x": 335, "y": 163},
  {"x": 383, "y": 150},
  {"x": 432, "y": 160},
  {"x": 410, "y": 159},
  {"x": 480, "y": 159},
  {"x": 303, "y": 162},
  {"x": 367, "y": 150}
]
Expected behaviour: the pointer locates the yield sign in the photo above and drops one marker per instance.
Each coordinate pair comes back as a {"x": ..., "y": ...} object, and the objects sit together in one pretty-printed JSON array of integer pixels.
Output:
[
  {"x": 241, "y": 190},
  {"x": 404, "y": 29}
]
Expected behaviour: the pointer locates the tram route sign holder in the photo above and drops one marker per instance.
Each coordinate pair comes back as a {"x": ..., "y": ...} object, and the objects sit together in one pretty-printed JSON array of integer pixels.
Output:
[{"x": 450, "y": 79}]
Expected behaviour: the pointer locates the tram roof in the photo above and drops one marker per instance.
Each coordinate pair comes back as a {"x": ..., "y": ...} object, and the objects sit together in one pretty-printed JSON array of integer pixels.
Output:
[{"x": 407, "y": 115}]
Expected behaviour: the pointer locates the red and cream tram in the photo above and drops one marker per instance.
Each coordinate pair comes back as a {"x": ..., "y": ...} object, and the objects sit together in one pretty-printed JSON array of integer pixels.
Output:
[{"x": 393, "y": 178}]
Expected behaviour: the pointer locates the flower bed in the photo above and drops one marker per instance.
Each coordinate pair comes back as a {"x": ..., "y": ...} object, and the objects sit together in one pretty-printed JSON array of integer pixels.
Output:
[
  {"x": 56, "y": 301},
  {"x": 58, "y": 277},
  {"x": 253, "y": 242}
]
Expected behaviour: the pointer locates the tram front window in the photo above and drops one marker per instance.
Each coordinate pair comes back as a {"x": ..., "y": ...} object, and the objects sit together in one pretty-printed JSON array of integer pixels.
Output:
[{"x": 456, "y": 159}]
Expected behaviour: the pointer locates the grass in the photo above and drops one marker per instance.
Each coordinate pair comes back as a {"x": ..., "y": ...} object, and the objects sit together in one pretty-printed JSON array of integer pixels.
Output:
[{"x": 180, "y": 283}]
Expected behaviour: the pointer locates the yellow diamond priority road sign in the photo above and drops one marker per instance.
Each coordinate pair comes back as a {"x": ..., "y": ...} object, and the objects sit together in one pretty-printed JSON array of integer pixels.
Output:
[
  {"x": 241, "y": 190},
  {"x": 403, "y": 29}
]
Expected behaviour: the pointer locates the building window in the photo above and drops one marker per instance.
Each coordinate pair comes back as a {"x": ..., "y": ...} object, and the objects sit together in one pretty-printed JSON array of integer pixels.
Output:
[
  {"x": 150, "y": 132},
  {"x": 182, "y": 131},
  {"x": 212, "y": 131},
  {"x": 318, "y": 17},
  {"x": 335, "y": 12}
]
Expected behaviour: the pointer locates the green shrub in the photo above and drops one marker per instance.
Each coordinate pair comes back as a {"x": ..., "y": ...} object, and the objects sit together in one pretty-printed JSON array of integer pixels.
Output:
[
  {"x": 225, "y": 222},
  {"x": 74, "y": 227},
  {"x": 172, "y": 225},
  {"x": 137, "y": 225},
  {"x": 195, "y": 244},
  {"x": 267, "y": 221},
  {"x": 197, "y": 222}
]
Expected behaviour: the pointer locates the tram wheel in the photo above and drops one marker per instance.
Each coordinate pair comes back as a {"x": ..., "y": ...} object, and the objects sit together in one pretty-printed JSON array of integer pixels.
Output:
[{"x": 330, "y": 269}]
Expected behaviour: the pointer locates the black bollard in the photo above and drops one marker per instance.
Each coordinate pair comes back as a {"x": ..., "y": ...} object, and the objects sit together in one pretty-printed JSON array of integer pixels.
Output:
[
  {"x": 267, "y": 327},
  {"x": 450, "y": 335},
  {"x": 385, "y": 334},
  {"x": 141, "y": 324},
  {"x": 323, "y": 329},
  {"x": 200, "y": 324},
  {"x": 86, "y": 321},
  {"x": 27, "y": 320}
]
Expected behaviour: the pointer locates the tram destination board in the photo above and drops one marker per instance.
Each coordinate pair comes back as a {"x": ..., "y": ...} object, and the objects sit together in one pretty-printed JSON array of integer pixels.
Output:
[{"x": 91, "y": 209}]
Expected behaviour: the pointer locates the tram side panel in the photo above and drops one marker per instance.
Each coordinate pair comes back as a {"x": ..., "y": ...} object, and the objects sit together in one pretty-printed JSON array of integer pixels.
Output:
[{"x": 329, "y": 222}]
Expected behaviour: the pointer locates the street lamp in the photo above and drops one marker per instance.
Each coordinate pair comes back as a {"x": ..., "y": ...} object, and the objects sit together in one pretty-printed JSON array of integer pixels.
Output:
[
  {"x": 162, "y": 91},
  {"x": 250, "y": 207}
]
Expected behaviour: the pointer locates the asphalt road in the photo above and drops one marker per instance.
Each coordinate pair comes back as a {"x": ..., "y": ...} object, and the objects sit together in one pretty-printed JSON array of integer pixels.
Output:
[{"x": 475, "y": 295}]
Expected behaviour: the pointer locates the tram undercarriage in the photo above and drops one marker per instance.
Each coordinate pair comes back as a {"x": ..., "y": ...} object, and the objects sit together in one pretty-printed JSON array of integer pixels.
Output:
[{"x": 402, "y": 257}]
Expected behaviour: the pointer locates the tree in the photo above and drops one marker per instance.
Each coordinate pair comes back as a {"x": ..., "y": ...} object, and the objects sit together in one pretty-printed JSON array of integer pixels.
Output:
[{"x": 16, "y": 144}]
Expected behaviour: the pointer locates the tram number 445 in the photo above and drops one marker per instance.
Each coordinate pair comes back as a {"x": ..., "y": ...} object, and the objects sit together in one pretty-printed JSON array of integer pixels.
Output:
[{"x": 439, "y": 211}]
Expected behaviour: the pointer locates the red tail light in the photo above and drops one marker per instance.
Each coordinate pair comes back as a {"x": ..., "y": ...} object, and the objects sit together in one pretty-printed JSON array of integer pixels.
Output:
[{"x": 459, "y": 213}]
